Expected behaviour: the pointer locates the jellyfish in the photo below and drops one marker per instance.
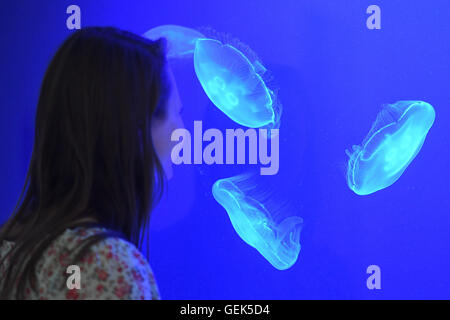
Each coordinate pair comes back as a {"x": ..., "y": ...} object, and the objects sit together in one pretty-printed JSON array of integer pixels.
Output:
[
  {"x": 180, "y": 40},
  {"x": 234, "y": 84},
  {"x": 393, "y": 142},
  {"x": 277, "y": 240}
]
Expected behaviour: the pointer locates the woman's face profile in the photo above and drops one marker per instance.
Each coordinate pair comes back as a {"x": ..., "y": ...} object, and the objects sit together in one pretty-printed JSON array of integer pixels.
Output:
[{"x": 162, "y": 128}]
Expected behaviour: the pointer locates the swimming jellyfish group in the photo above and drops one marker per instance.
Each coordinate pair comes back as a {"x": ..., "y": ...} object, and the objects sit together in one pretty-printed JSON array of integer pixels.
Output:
[
  {"x": 393, "y": 142},
  {"x": 235, "y": 84}
]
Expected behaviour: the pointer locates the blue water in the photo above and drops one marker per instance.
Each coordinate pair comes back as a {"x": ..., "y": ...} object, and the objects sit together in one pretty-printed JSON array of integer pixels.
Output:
[{"x": 333, "y": 75}]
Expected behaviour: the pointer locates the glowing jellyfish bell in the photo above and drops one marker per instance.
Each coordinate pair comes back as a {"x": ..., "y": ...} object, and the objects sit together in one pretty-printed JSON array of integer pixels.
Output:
[
  {"x": 233, "y": 83},
  {"x": 278, "y": 242},
  {"x": 180, "y": 40},
  {"x": 393, "y": 142}
]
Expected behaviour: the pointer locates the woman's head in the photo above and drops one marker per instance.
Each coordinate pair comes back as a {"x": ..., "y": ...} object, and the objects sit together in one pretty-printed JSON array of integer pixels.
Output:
[
  {"x": 107, "y": 106},
  {"x": 94, "y": 146}
]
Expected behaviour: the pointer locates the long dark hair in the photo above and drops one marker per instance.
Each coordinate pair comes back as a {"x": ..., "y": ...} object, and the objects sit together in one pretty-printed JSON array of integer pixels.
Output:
[{"x": 93, "y": 155}]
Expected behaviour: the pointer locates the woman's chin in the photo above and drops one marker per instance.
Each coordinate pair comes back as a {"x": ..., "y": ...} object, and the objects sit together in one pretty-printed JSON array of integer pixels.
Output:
[{"x": 168, "y": 171}]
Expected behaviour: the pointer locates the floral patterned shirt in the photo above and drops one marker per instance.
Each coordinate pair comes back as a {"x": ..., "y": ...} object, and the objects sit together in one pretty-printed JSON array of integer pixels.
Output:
[{"x": 113, "y": 269}]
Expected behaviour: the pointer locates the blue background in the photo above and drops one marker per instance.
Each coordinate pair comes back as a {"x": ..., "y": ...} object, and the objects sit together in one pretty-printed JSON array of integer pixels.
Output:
[{"x": 333, "y": 74}]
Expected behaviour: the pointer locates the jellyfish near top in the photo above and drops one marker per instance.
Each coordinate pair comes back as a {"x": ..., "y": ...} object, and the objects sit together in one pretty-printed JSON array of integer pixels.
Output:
[
  {"x": 233, "y": 83},
  {"x": 393, "y": 142},
  {"x": 180, "y": 40}
]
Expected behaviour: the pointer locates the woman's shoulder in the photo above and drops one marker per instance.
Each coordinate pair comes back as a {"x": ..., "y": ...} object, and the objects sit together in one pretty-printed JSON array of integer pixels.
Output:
[{"x": 113, "y": 268}]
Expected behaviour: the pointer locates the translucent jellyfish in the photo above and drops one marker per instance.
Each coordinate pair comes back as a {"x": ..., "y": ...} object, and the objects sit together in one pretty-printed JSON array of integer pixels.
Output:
[
  {"x": 277, "y": 241},
  {"x": 393, "y": 142},
  {"x": 234, "y": 84},
  {"x": 180, "y": 40}
]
